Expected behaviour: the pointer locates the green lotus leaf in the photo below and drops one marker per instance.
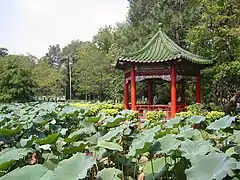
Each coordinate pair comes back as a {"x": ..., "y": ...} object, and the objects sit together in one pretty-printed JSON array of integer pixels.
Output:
[
  {"x": 143, "y": 142},
  {"x": 187, "y": 132},
  {"x": 113, "y": 121},
  {"x": 45, "y": 147},
  {"x": 111, "y": 134},
  {"x": 90, "y": 126},
  {"x": 47, "y": 106},
  {"x": 75, "y": 167},
  {"x": 50, "y": 160},
  {"x": 236, "y": 137},
  {"x": 35, "y": 172},
  {"x": 109, "y": 173},
  {"x": 109, "y": 145},
  {"x": 50, "y": 139},
  {"x": 76, "y": 147},
  {"x": 59, "y": 144},
  {"x": 93, "y": 119},
  {"x": 27, "y": 142},
  {"x": 68, "y": 110},
  {"x": 230, "y": 151},
  {"x": 4, "y": 118},
  {"x": 222, "y": 123},
  {"x": 77, "y": 135},
  {"x": 63, "y": 131},
  {"x": 10, "y": 155},
  {"x": 162, "y": 133},
  {"x": 196, "y": 119},
  {"x": 168, "y": 143},
  {"x": 153, "y": 130},
  {"x": 191, "y": 149},
  {"x": 6, "y": 132},
  {"x": 40, "y": 120},
  {"x": 49, "y": 165},
  {"x": 158, "y": 168},
  {"x": 212, "y": 166},
  {"x": 94, "y": 138},
  {"x": 173, "y": 122}
]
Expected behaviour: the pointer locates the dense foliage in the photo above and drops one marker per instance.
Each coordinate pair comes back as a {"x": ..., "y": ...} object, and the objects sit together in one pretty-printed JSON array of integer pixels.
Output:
[
  {"x": 59, "y": 141},
  {"x": 16, "y": 82}
]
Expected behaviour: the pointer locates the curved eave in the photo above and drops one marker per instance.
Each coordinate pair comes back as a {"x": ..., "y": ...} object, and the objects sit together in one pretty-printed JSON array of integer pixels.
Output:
[
  {"x": 161, "y": 49},
  {"x": 147, "y": 61},
  {"x": 184, "y": 57}
]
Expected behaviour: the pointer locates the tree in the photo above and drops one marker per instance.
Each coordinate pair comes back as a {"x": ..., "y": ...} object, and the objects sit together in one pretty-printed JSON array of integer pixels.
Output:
[
  {"x": 69, "y": 58},
  {"x": 104, "y": 39},
  {"x": 49, "y": 79},
  {"x": 110, "y": 81},
  {"x": 86, "y": 69},
  {"x": 3, "y": 52},
  {"x": 16, "y": 82},
  {"x": 54, "y": 55},
  {"x": 176, "y": 16},
  {"x": 217, "y": 37},
  {"x": 218, "y": 31}
]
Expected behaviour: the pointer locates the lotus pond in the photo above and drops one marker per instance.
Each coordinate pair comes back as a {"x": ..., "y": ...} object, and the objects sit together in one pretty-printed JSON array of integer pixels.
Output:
[{"x": 52, "y": 141}]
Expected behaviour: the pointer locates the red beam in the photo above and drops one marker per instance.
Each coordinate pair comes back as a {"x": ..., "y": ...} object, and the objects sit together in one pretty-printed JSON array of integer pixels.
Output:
[
  {"x": 173, "y": 91},
  {"x": 152, "y": 73},
  {"x": 133, "y": 89},
  {"x": 149, "y": 73}
]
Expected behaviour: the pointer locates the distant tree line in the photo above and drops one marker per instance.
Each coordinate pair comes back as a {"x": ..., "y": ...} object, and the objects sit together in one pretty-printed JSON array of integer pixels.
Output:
[{"x": 209, "y": 28}]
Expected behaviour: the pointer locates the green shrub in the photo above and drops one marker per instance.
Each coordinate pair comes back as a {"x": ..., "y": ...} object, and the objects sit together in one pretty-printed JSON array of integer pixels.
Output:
[
  {"x": 187, "y": 114},
  {"x": 214, "y": 115},
  {"x": 155, "y": 115},
  {"x": 94, "y": 109},
  {"x": 214, "y": 107},
  {"x": 110, "y": 112},
  {"x": 197, "y": 109},
  {"x": 118, "y": 106},
  {"x": 131, "y": 115},
  {"x": 105, "y": 106},
  {"x": 81, "y": 105}
]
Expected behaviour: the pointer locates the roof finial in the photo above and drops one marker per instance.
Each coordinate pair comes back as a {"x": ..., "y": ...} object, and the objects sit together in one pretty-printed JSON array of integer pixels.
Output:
[{"x": 160, "y": 25}]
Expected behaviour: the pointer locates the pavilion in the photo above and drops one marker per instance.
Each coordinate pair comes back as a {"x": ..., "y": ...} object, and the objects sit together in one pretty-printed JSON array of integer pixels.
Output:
[{"x": 160, "y": 58}]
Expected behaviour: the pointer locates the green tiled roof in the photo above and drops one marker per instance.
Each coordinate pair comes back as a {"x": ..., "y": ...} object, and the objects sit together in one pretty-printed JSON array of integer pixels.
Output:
[{"x": 161, "y": 49}]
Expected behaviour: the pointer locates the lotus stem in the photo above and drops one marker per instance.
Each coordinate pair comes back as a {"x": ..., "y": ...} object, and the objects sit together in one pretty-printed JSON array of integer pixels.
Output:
[
  {"x": 165, "y": 157},
  {"x": 134, "y": 170},
  {"x": 152, "y": 169},
  {"x": 122, "y": 173}
]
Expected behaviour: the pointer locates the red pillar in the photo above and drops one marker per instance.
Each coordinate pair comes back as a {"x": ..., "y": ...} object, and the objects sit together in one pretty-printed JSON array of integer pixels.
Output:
[
  {"x": 125, "y": 86},
  {"x": 173, "y": 91},
  {"x": 198, "y": 88},
  {"x": 133, "y": 88},
  {"x": 150, "y": 96}
]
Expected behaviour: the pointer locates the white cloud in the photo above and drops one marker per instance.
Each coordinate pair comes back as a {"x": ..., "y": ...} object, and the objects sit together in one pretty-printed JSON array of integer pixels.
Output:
[{"x": 45, "y": 22}]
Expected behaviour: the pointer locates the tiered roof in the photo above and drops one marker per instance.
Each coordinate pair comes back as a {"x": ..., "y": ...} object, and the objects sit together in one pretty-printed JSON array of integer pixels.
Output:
[{"x": 159, "y": 49}]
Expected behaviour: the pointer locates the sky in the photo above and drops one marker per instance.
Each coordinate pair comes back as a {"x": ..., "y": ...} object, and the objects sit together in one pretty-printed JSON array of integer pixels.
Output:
[{"x": 30, "y": 26}]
